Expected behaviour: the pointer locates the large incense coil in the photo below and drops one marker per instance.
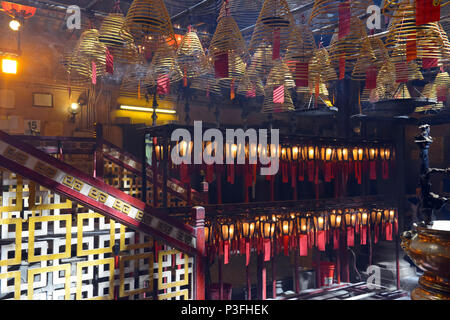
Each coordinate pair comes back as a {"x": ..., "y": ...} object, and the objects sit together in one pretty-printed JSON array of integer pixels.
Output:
[
  {"x": 270, "y": 107},
  {"x": 191, "y": 56},
  {"x": 280, "y": 75},
  {"x": 149, "y": 23},
  {"x": 430, "y": 39},
  {"x": 206, "y": 82},
  {"x": 386, "y": 85},
  {"x": 275, "y": 23},
  {"x": 398, "y": 8},
  {"x": 245, "y": 12},
  {"x": 119, "y": 42},
  {"x": 320, "y": 65},
  {"x": 325, "y": 13},
  {"x": 249, "y": 86},
  {"x": 402, "y": 92},
  {"x": 164, "y": 64},
  {"x": 261, "y": 62},
  {"x": 366, "y": 59},
  {"x": 88, "y": 50},
  {"x": 227, "y": 39},
  {"x": 430, "y": 92},
  {"x": 301, "y": 49},
  {"x": 134, "y": 80},
  {"x": 348, "y": 47}
]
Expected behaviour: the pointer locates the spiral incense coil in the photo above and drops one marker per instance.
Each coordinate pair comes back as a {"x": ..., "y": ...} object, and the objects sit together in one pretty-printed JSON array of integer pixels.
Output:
[
  {"x": 280, "y": 75},
  {"x": 301, "y": 49},
  {"x": 320, "y": 65},
  {"x": 134, "y": 80},
  {"x": 149, "y": 22},
  {"x": 164, "y": 63},
  {"x": 325, "y": 13},
  {"x": 270, "y": 107},
  {"x": 191, "y": 56},
  {"x": 245, "y": 12},
  {"x": 402, "y": 92},
  {"x": 430, "y": 91},
  {"x": 251, "y": 87},
  {"x": 261, "y": 63},
  {"x": 227, "y": 39},
  {"x": 348, "y": 47},
  {"x": 120, "y": 43},
  {"x": 274, "y": 27},
  {"x": 206, "y": 82},
  {"x": 398, "y": 8},
  {"x": 366, "y": 59},
  {"x": 386, "y": 85}
]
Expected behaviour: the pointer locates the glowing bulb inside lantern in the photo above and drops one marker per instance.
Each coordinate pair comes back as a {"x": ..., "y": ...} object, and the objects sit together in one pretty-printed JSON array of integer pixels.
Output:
[{"x": 14, "y": 25}]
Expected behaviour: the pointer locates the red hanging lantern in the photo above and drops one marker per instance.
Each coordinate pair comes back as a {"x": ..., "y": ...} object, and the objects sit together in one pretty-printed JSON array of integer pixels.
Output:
[
  {"x": 320, "y": 223},
  {"x": 388, "y": 219},
  {"x": 303, "y": 223},
  {"x": 227, "y": 229},
  {"x": 363, "y": 217},
  {"x": 286, "y": 228},
  {"x": 350, "y": 218},
  {"x": 267, "y": 228},
  {"x": 335, "y": 224},
  {"x": 247, "y": 228}
]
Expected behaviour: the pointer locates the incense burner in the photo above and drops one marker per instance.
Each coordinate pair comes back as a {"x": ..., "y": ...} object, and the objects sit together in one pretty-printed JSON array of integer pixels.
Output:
[{"x": 429, "y": 248}]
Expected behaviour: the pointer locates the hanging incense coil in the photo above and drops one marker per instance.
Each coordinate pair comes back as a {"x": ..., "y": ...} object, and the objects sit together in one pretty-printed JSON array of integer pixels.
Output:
[
  {"x": 119, "y": 42},
  {"x": 348, "y": 47},
  {"x": 228, "y": 54},
  {"x": 320, "y": 65},
  {"x": 164, "y": 64},
  {"x": 430, "y": 91},
  {"x": 134, "y": 80},
  {"x": 280, "y": 75},
  {"x": 386, "y": 85},
  {"x": 269, "y": 106},
  {"x": 274, "y": 27},
  {"x": 366, "y": 59},
  {"x": 428, "y": 40},
  {"x": 250, "y": 87},
  {"x": 191, "y": 56},
  {"x": 325, "y": 13},
  {"x": 261, "y": 63},
  {"x": 207, "y": 82},
  {"x": 149, "y": 23},
  {"x": 402, "y": 92},
  {"x": 244, "y": 12},
  {"x": 300, "y": 51},
  {"x": 88, "y": 51}
]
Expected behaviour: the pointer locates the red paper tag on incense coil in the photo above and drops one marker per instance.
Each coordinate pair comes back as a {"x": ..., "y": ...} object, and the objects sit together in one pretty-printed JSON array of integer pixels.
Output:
[
  {"x": 336, "y": 238},
  {"x": 350, "y": 236},
  {"x": 276, "y": 44},
  {"x": 221, "y": 65},
  {"x": 303, "y": 245},
  {"x": 251, "y": 93},
  {"x": 388, "y": 231},
  {"x": 301, "y": 74},
  {"x": 363, "y": 235},
  {"x": 341, "y": 68},
  {"x": 94, "y": 73},
  {"x": 344, "y": 19},
  {"x": 109, "y": 62},
  {"x": 278, "y": 95},
  {"x": 411, "y": 47},
  {"x": 371, "y": 78},
  {"x": 373, "y": 170},
  {"x": 266, "y": 249},
  {"x": 163, "y": 84},
  {"x": 427, "y": 11}
]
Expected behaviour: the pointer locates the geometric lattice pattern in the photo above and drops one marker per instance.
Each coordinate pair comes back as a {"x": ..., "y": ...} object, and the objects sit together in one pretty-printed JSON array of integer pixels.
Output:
[{"x": 52, "y": 249}]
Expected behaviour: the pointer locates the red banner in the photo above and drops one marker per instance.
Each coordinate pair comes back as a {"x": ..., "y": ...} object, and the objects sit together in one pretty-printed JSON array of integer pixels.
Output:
[
  {"x": 350, "y": 236},
  {"x": 221, "y": 66},
  {"x": 427, "y": 11},
  {"x": 301, "y": 74},
  {"x": 266, "y": 249},
  {"x": 344, "y": 19},
  {"x": 276, "y": 44},
  {"x": 321, "y": 235},
  {"x": 336, "y": 238},
  {"x": 303, "y": 245}
]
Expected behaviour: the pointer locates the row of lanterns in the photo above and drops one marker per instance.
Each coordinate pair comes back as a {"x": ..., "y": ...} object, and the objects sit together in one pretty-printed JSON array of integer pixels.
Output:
[{"x": 268, "y": 234}]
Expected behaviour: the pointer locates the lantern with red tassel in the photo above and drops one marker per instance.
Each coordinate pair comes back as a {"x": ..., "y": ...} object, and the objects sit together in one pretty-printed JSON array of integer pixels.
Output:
[
  {"x": 320, "y": 223},
  {"x": 372, "y": 156},
  {"x": 227, "y": 228},
  {"x": 363, "y": 217},
  {"x": 350, "y": 218},
  {"x": 375, "y": 220},
  {"x": 286, "y": 228},
  {"x": 385, "y": 155},
  {"x": 358, "y": 157},
  {"x": 388, "y": 217},
  {"x": 303, "y": 227},
  {"x": 267, "y": 228},
  {"x": 335, "y": 224},
  {"x": 247, "y": 228}
]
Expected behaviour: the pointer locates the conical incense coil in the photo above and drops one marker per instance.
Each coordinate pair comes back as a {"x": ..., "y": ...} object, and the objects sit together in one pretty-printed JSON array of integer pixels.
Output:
[
  {"x": 320, "y": 66},
  {"x": 134, "y": 81},
  {"x": 250, "y": 87},
  {"x": 164, "y": 64},
  {"x": 261, "y": 62},
  {"x": 300, "y": 51},
  {"x": 269, "y": 106},
  {"x": 228, "y": 47},
  {"x": 430, "y": 91},
  {"x": 402, "y": 92},
  {"x": 398, "y": 8},
  {"x": 366, "y": 59},
  {"x": 244, "y": 12},
  {"x": 325, "y": 13},
  {"x": 191, "y": 56},
  {"x": 349, "y": 46},
  {"x": 149, "y": 23},
  {"x": 280, "y": 75},
  {"x": 386, "y": 85},
  {"x": 274, "y": 27},
  {"x": 207, "y": 82},
  {"x": 120, "y": 43}
]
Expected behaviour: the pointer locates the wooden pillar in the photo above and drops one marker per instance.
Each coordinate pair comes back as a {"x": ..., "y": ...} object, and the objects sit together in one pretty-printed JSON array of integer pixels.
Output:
[
  {"x": 338, "y": 260},
  {"x": 198, "y": 213},
  {"x": 98, "y": 153},
  {"x": 274, "y": 279},
  {"x": 220, "y": 267},
  {"x": 296, "y": 274},
  {"x": 318, "y": 256}
]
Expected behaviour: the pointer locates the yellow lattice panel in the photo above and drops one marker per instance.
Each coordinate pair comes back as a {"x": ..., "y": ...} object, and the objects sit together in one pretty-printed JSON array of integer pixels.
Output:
[
  {"x": 56, "y": 270},
  {"x": 165, "y": 277},
  {"x": 58, "y": 243},
  {"x": 15, "y": 247},
  {"x": 134, "y": 264},
  {"x": 92, "y": 222},
  {"x": 4, "y": 277},
  {"x": 87, "y": 276}
]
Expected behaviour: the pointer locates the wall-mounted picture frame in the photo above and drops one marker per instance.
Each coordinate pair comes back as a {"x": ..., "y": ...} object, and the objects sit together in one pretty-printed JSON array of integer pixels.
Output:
[{"x": 42, "y": 99}]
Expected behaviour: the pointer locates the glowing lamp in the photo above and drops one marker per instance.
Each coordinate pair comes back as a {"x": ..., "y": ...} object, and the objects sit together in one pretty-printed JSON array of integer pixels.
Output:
[
  {"x": 335, "y": 219},
  {"x": 320, "y": 222},
  {"x": 247, "y": 228},
  {"x": 350, "y": 218},
  {"x": 311, "y": 153},
  {"x": 342, "y": 154},
  {"x": 385, "y": 153},
  {"x": 389, "y": 215},
  {"x": 9, "y": 66},
  {"x": 295, "y": 153},
  {"x": 364, "y": 218},
  {"x": 373, "y": 153},
  {"x": 227, "y": 230},
  {"x": 283, "y": 154},
  {"x": 14, "y": 25},
  {"x": 208, "y": 232},
  {"x": 267, "y": 228},
  {"x": 375, "y": 217},
  {"x": 286, "y": 225},
  {"x": 303, "y": 224}
]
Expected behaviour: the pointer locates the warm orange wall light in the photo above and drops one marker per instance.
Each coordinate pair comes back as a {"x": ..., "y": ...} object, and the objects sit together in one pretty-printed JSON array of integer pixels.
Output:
[{"x": 9, "y": 66}]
